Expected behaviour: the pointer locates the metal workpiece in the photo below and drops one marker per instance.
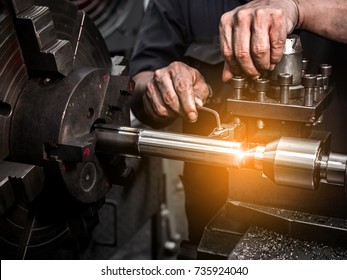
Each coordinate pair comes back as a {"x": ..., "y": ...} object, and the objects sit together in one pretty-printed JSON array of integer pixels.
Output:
[
  {"x": 333, "y": 168},
  {"x": 309, "y": 81},
  {"x": 261, "y": 87},
  {"x": 117, "y": 140},
  {"x": 288, "y": 161},
  {"x": 293, "y": 162},
  {"x": 298, "y": 163},
  {"x": 141, "y": 142},
  {"x": 238, "y": 84},
  {"x": 291, "y": 61},
  {"x": 284, "y": 80}
]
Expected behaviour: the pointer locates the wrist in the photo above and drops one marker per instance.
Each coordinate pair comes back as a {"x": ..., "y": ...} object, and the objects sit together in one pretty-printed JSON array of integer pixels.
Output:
[{"x": 297, "y": 15}]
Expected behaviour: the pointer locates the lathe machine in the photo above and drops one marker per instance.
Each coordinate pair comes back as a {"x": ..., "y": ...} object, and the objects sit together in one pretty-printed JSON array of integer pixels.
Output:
[{"x": 65, "y": 134}]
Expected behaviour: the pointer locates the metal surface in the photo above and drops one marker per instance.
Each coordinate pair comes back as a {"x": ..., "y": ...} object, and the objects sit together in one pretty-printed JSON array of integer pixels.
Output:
[
  {"x": 293, "y": 162},
  {"x": 299, "y": 163},
  {"x": 141, "y": 142},
  {"x": 88, "y": 46},
  {"x": 34, "y": 26},
  {"x": 241, "y": 231},
  {"x": 13, "y": 77},
  {"x": 284, "y": 80},
  {"x": 272, "y": 109},
  {"x": 53, "y": 184},
  {"x": 261, "y": 86},
  {"x": 108, "y": 15},
  {"x": 238, "y": 83},
  {"x": 309, "y": 82},
  {"x": 22, "y": 182},
  {"x": 291, "y": 61}
]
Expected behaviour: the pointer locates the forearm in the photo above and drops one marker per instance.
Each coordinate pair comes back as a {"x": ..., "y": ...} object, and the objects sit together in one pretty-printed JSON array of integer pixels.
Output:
[{"x": 325, "y": 18}]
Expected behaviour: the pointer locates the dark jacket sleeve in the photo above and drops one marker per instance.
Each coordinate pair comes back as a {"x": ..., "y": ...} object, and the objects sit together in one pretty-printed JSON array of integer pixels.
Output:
[{"x": 163, "y": 36}]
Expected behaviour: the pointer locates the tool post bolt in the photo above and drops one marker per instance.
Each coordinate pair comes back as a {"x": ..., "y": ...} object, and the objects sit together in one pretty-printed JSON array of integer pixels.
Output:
[
  {"x": 304, "y": 66},
  {"x": 326, "y": 71},
  {"x": 238, "y": 83},
  {"x": 320, "y": 85},
  {"x": 261, "y": 86},
  {"x": 309, "y": 81},
  {"x": 284, "y": 80}
]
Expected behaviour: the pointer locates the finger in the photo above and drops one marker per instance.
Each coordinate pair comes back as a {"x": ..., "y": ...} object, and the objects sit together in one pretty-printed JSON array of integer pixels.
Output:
[
  {"x": 278, "y": 35},
  {"x": 260, "y": 41},
  {"x": 227, "y": 74},
  {"x": 166, "y": 90},
  {"x": 231, "y": 70},
  {"x": 202, "y": 90},
  {"x": 183, "y": 85},
  {"x": 226, "y": 42},
  {"x": 149, "y": 110},
  {"x": 225, "y": 36},
  {"x": 242, "y": 42},
  {"x": 154, "y": 101}
]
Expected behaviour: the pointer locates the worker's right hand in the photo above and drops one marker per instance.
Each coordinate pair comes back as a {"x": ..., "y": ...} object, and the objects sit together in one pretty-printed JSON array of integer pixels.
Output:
[
  {"x": 253, "y": 36},
  {"x": 174, "y": 91}
]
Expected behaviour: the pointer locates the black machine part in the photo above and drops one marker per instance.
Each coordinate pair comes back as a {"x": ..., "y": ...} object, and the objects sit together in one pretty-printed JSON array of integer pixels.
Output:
[{"x": 57, "y": 80}]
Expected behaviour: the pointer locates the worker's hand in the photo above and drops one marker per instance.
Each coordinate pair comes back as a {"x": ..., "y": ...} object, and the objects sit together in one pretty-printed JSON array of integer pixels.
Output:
[
  {"x": 252, "y": 36},
  {"x": 174, "y": 91}
]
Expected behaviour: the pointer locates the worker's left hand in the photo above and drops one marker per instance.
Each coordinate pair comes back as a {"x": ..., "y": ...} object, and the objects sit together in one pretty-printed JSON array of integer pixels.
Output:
[
  {"x": 252, "y": 36},
  {"x": 175, "y": 90}
]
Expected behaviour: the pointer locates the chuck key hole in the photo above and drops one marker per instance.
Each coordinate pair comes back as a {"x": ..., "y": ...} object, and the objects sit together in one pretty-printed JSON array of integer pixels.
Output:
[
  {"x": 5, "y": 109},
  {"x": 90, "y": 113}
]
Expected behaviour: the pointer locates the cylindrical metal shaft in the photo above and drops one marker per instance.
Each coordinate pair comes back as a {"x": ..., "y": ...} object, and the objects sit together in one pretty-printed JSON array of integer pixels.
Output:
[
  {"x": 293, "y": 162},
  {"x": 298, "y": 163},
  {"x": 288, "y": 161},
  {"x": 333, "y": 168},
  {"x": 141, "y": 142}
]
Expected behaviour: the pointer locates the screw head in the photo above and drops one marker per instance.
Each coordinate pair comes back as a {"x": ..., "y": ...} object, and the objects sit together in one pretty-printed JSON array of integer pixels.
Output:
[
  {"x": 325, "y": 69},
  {"x": 305, "y": 63},
  {"x": 238, "y": 82},
  {"x": 309, "y": 80},
  {"x": 285, "y": 79},
  {"x": 261, "y": 84}
]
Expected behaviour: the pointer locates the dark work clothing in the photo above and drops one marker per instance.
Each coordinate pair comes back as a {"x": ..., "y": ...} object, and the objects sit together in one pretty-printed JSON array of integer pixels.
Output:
[
  {"x": 170, "y": 31},
  {"x": 170, "y": 26}
]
